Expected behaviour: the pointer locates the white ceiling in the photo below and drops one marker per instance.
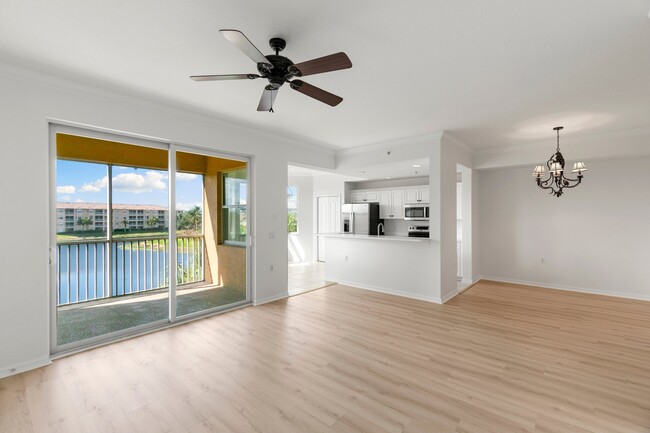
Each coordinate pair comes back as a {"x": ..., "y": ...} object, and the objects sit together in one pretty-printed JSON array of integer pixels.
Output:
[{"x": 493, "y": 73}]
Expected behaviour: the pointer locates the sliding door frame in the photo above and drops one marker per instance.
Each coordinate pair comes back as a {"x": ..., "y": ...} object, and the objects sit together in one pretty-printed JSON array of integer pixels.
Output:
[
  {"x": 55, "y": 127},
  {"x": 249, "y": 221}
]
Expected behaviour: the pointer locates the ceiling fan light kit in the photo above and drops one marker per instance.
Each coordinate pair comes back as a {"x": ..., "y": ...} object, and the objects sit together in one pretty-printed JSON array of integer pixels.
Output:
[
  {"x": 279, "y": 70},
  {"x": 556, "y": 181}
]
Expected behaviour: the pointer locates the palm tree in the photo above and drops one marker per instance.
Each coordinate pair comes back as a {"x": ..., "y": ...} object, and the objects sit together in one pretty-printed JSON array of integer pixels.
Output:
[
  {"x": 84, "y": 222},
  {"x": 194, "y": 215},
  {"x": 125, "y": 223},
  {"x": 152, "y": 222}
]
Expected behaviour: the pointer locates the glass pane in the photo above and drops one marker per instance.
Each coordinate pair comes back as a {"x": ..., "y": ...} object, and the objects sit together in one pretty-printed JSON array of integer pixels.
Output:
[
  {"x": 82, "y": 201},
  {"x": 234, "y": 225},
  {"x": 107, "y": 286},
  {"x": 210, "y": 274},
  {"x": 81, "y": 210},
  {"x": 140, "y": 247},
  {"x": 292, "y": 206},
  {"x": 235, "y": 188}
]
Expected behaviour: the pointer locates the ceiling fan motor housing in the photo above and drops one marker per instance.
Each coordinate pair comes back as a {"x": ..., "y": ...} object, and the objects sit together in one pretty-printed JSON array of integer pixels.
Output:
[{"x": 277, "y": 75}]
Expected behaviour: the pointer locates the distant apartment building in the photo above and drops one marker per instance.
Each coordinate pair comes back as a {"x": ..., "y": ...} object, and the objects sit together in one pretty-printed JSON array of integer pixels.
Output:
[{"x": 125, "y": 217}]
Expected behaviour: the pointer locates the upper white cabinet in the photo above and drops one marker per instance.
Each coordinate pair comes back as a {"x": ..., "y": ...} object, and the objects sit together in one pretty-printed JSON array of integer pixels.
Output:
[
  {"x": 397, "y": 197},
  {"x": 416, "y": 194},
  {"x": 364, "y": 196},
  {"x": 392, "y": 200},
  {"x": 391, "y": 204}
]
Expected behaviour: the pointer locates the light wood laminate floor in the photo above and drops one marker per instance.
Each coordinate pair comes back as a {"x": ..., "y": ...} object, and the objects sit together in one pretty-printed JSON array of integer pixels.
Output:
[
  {"x": 497, "y": 358},
  {"x": 304, "y": 277}
]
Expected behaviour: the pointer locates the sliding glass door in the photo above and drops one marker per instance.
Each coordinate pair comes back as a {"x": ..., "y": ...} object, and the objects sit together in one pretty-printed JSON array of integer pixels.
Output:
[
  {"x": 212, "y": 270},
  {"x": 138, "y": 245}
]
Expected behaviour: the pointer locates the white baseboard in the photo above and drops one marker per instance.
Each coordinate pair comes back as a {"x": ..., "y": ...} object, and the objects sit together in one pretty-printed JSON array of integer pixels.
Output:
[
  {"x": 449, "y": 296},
  {"x": 270, "y": 298},
  {"x": 392, "y": 292},
  {"x": 24, "y": 366},
  {"x": 625, "y": 295}
]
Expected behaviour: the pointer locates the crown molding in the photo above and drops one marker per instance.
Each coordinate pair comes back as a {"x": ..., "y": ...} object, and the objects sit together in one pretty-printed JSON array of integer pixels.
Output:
[
  {"x": 111, "y": 93},
  {"x": 391, "y": 144},
  {"x": 458, "y": 142}
]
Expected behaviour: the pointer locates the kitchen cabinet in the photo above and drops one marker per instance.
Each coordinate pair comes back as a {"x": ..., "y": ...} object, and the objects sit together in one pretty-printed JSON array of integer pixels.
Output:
[
  {"x": 364, "y": 196},
  {"x": 416, "y": 194},
  {"x": 391, "y": 204}
]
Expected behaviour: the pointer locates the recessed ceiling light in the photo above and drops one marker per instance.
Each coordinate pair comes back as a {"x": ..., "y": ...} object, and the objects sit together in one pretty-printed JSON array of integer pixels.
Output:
[
  {"x": 417, "y": 165},
  {"x": 388, "y": 177}
]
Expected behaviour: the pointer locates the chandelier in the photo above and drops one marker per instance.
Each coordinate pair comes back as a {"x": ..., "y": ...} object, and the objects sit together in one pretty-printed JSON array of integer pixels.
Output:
[{"x": 556, "y": 181}]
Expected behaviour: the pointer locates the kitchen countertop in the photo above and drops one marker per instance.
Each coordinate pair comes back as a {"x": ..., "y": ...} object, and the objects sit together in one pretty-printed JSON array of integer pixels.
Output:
[{"x": 377, "y": 237}]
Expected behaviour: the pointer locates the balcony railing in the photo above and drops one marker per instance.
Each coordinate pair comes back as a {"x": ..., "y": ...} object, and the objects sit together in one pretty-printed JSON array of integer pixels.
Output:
[{"x": 136, "y": 265}]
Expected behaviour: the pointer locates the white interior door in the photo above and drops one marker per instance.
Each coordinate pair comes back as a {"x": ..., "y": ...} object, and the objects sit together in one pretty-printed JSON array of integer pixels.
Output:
[{"x": 329, "y": 221}]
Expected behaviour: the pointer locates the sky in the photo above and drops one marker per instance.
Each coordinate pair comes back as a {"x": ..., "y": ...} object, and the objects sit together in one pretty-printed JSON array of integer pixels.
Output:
[
  {"x": 292, "y": 197},
  {"x": 86, "y": 182}
]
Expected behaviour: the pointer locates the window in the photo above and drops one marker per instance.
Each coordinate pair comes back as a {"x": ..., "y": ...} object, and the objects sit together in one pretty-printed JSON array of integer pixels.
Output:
[
  {"x": 292, "y": 206},
  {"x": 234, "y": 224}
]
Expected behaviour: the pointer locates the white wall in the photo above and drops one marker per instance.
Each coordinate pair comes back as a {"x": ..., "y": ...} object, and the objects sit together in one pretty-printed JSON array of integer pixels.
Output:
[
  {"x": 394, "y": 267},
  {"x": 28, "y": 100},
  {"x": 301, "y": 244},
  {"x": 444, "y": 159},
  {"x": 594, "y": 238},
  {"x": 331, "y": 184}
]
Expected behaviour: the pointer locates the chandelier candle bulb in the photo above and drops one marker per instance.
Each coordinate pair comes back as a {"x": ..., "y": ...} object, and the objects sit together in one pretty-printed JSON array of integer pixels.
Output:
[{"x": 556, "y": 181}]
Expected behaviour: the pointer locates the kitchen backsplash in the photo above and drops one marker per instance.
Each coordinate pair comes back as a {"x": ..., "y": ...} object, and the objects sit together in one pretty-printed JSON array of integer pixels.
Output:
[{"x": 401, "y": 227}]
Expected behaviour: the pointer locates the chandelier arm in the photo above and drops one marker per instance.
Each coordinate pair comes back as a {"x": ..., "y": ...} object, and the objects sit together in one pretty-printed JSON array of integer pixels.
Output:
[
  {"x": 544, "y": 184},
  {"x": 578, "y": 182},
  {"x": 548, "y": 180}
]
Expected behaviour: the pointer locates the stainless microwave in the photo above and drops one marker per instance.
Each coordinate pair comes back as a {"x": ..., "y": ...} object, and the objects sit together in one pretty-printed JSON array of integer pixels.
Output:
[{"x": 416, "y": 212}]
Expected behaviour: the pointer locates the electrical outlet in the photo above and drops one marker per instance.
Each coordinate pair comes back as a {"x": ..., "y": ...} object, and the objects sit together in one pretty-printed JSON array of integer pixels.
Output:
[
  {"x": 543, "y": 260},
  {"x": 271, "y": 235},
  {"x": 270, "y": 268}
]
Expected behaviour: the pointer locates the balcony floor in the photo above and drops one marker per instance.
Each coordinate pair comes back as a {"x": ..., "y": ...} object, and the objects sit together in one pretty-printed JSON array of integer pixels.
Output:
[{"x": 91, "y": 319}]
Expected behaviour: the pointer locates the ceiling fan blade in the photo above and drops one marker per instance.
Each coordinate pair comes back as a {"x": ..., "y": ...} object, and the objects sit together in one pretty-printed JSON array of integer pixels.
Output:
[
  {"x": 333, "y": 62},
  {"x": 224, "y": 77},
  {"x": 316, "y": 93},
  {"x": 267, "y": 99},
  {"x": 239, "y": 40}
]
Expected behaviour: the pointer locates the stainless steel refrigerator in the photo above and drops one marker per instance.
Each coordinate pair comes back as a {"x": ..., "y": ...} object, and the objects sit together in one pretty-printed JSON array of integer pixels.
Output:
[{"x": 360, "y": 219}]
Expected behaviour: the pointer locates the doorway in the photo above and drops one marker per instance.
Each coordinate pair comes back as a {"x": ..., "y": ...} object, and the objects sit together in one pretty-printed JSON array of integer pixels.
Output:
[
  {"x": 464, "y": 225},
  {"x": 143, "y": 234},
  {"x": 328, "y": 221},
  {"x": 313, "y": 209}
]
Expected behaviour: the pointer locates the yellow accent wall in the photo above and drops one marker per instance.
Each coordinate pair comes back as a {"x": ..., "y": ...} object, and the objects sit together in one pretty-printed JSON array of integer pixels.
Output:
[{"x": 86, "y": 149}]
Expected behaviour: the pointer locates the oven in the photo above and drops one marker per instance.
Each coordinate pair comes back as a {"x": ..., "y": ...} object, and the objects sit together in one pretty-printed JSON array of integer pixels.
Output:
[{"x": 418, "y": 231}]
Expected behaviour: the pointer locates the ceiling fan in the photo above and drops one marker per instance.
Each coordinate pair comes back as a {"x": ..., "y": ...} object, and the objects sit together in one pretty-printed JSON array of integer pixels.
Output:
[{"x": 278, "y": 70}]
